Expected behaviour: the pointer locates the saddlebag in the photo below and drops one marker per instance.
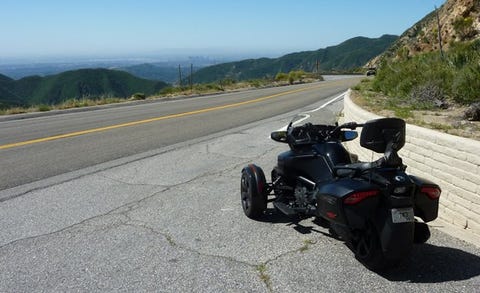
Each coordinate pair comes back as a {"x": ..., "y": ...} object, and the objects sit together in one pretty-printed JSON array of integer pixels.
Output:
[
  {"x": 331, "y": 202},
  {"x": 427, "y": 195}
]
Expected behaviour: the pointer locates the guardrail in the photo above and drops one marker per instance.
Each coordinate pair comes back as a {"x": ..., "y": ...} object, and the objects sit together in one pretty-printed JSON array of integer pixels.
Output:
[{"x": 452, "y": 162}]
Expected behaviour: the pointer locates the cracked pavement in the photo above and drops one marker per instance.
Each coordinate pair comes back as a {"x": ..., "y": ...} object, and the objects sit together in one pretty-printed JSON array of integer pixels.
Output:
[{"x": 173, "y": 222}]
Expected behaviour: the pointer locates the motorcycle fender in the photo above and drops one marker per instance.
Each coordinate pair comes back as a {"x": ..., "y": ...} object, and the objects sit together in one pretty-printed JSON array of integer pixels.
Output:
[
  {"x": 425, "y": 207},
  {"x": 396, "y": 239},
  {"x": 330, "y": 202}
]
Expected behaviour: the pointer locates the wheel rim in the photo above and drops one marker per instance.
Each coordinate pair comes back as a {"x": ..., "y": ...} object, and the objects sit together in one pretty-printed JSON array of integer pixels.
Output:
[{"x": 246, "y": 200}]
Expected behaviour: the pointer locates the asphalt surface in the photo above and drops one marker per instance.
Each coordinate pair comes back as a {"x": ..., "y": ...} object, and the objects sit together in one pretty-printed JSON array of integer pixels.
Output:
[
  {"x": 170, "y": 122},
  {"x": 170, "y": 220}
]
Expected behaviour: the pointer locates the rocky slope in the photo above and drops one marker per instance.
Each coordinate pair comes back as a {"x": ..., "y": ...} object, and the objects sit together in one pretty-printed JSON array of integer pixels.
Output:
[{"x": 459, "y": 22}]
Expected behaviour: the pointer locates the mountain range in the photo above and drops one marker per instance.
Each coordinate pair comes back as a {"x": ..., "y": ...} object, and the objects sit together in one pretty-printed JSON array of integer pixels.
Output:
[
  {"x": 82, "y": 83},
  {"x": 121, "y": 83},
  {"x": 345, "y": 57}
]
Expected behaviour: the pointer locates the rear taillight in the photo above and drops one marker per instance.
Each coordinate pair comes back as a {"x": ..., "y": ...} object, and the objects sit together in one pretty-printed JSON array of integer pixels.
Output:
[
  {"x": 431, "y": 191},
  {"x": 357, "y": 197}
]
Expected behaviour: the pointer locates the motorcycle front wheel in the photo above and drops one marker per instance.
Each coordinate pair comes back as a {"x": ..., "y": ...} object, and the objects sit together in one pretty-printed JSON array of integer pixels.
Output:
[{"x": 253, "y": 191}]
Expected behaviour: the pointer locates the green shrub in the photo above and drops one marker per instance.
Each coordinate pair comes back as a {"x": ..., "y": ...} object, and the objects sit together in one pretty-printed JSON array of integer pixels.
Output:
[
  {"x": 357, "y": 87},
  {"x": 207, "y": 87},
  {"x": 44, "y": 108},
  {"x": 138, "y": 96},
  {"x": 227, "y": 81},
  {"x": 281, "y": 76},
  {"x": 296, "y": 75},
  {"x": 466, "y": 85},
  {"x": 422, "y": 80},
  {"x": 168, "y": 90},
  {"x": 256, "y": 83},
  {"x": 463, "y": 26}
]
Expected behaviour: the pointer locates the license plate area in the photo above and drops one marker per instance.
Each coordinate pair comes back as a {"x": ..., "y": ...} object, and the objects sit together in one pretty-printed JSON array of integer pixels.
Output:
[{"x": 404, "y": 215}]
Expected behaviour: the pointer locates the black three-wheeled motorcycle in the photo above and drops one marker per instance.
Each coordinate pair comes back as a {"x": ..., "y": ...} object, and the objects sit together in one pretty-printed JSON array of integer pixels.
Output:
[{"x": 375, "y": 207}]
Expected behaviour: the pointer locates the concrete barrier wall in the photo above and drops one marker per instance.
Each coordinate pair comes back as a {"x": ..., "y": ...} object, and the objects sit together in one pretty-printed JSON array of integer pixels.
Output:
[{"x": 450, "y": 161}]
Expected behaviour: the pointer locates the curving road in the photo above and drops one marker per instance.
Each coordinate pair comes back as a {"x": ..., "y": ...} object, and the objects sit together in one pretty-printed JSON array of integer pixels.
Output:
[{"x": 37, "y": 148}]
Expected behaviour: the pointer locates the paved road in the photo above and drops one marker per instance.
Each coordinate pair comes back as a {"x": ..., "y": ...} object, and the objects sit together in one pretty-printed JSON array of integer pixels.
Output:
[
  {"x": 170, "y": 220},
  {"x": 155, "y": 125}
]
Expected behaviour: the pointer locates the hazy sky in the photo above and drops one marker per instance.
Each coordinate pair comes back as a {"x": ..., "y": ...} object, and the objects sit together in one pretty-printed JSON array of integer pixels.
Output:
[{"x": 35, "y": 28}]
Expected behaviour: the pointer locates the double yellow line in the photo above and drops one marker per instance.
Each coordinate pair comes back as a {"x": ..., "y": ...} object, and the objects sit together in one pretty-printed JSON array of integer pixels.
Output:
[{"x": 133, "y": 123}]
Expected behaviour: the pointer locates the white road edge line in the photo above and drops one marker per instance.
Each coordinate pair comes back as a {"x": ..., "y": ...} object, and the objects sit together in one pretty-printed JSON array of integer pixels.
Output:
[{"x": 306, "y": 115}]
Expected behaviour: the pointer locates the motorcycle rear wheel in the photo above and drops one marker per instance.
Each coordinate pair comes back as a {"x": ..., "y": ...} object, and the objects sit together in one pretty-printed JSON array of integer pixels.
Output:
[
  {"x": 422, "y": 233},
  {"x": 366, "y": 246},
  {"x": 253, "y": 191}
]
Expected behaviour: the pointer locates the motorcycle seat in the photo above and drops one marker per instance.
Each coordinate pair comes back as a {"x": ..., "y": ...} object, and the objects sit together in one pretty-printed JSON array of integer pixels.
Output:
[{"x": 346, "y": 170}]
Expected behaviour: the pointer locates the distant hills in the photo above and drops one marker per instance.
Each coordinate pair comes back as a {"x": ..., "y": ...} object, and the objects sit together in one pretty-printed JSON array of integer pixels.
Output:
[
  {"x": 347, "y": 56},
  {"x": 121, "y": 83},
  {"x": 90, "y": 83},
  {"x": 7, "y": 97}
]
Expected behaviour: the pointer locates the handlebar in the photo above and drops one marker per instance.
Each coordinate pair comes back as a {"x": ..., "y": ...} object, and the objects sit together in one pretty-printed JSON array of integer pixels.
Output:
[
  {"x": 348, "y": 125},
  {"x": 301, "y": 131},
  {"x": 310, "y": 133}
]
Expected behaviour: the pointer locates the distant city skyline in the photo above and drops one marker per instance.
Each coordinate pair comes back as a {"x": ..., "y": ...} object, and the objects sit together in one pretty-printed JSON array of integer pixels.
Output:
[{"x": 54, "y": 29}]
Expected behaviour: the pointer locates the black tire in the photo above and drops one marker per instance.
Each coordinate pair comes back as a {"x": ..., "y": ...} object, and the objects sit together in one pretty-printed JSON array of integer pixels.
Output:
[
  {"x": 366, "y": 246},
  {"x": 421, "y": 234},
  {"x": 253, "y": 191}
]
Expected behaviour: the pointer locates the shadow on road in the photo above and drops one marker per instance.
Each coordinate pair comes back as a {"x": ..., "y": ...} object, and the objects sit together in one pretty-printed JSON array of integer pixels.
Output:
[
  {"x": 427, "y": 263},
  {"x": 435, "y": 264}
]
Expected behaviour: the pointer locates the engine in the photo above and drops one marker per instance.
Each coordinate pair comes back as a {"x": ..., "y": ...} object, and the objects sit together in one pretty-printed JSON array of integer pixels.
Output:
[{"x": 305, "y": 198}]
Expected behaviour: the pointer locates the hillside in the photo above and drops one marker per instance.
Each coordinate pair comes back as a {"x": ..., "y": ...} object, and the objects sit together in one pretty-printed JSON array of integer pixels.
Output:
[
  {"x": 418, "y": 83},
  {"x": 414, "y": 70},
  {"x": 91, "y": 83},
  {"x": 4, "y": 78},
  {"x": 346, "y": 56},
  {"x": 459, "y": 22},
  {"x": 7, "y": 97}
]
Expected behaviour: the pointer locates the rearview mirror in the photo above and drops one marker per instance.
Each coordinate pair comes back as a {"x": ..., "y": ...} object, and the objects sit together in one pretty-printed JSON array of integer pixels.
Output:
[
  {"x": 348, "y": 135},
  {"x": 280, "y": 136}
]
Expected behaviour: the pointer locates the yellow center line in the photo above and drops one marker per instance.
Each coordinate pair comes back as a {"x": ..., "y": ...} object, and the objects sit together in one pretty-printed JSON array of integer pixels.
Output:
[{"x": 133, "y": 123}]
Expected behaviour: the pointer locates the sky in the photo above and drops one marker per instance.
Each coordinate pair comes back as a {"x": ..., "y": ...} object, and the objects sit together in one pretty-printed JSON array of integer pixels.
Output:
[{"x": 109, "y": 28}]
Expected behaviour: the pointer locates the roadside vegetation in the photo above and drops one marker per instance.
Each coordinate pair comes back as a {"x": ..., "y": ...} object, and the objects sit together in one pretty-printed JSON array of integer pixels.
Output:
[
  {"x": 68, "y": 104},
  {"x": 455, "y": 77},
  {"x": 439, "y": 92},
  {"x": 224, "y": 85},
  {"x": 297, "y": 76},
  {"x": 214, "y": 87}
]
